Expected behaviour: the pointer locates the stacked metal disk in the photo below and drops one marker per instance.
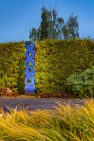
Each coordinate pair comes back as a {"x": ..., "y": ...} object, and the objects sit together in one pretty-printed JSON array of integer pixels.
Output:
[{"x": 29, "y": 67}]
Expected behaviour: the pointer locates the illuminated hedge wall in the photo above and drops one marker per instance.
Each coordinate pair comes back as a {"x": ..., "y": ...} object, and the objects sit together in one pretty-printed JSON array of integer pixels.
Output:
[
  {"x": 54, "y": 62},
  {"x": 12, "y": 66}
]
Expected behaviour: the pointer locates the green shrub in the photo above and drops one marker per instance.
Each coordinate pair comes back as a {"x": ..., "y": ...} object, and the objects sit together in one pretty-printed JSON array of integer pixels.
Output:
[{"x": 82, "y": 85}]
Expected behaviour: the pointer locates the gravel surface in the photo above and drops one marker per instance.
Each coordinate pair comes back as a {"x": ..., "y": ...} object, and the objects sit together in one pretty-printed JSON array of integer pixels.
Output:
[{"x": 37, "y": 103}]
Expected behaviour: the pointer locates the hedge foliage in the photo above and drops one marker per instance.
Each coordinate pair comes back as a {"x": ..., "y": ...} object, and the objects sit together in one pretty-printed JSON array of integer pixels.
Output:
[
  {"x": 54, "y": 62},
  {"x": 82, "y": 85},
  {"x": 12, "y": 66},
  {"x": 57, "y": 60}
]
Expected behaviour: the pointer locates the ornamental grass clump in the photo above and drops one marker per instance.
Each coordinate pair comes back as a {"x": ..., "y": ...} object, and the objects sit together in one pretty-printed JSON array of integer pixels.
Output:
[{"x": 65, "y": 123}]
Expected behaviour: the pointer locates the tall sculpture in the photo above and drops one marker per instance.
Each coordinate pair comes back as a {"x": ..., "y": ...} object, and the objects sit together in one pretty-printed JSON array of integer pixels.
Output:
[{"x": 29, "y": 67}]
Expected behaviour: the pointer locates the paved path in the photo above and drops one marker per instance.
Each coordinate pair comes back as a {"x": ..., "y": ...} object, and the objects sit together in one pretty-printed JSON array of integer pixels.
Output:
[{"x": 37, "y": 103}]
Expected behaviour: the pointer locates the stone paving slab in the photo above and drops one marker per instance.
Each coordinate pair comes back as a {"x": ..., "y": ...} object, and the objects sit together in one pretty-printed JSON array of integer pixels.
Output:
[{"x": 37, "y": 103}]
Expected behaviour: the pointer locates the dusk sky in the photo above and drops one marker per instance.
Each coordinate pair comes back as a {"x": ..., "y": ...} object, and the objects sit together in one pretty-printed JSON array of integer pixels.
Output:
[{"x": 17, "y": 17}]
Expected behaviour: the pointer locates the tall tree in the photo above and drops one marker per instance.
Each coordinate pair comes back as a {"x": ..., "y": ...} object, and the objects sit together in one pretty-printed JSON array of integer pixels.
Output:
[
  {"x": 65, "y": 31},
  {"x": 73, "y": 26},
  {"x": 38, "y": 34},
  {"x": 70, "y": 29},
  {"x": 60, "y": 26},
  {"x": 50, "y": 27},
  {"x": 33, "y": 34},
  {"x": 52, "y": 14},
  {"x": 44, "y": 24}
]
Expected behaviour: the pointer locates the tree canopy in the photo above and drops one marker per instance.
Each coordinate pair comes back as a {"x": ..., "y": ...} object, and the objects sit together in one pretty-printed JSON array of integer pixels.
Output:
[{"x": 54, "y": 27}]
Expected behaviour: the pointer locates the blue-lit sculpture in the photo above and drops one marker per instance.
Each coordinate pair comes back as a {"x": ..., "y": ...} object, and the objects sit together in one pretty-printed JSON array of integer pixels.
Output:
[{"x": 29, "y": 67}]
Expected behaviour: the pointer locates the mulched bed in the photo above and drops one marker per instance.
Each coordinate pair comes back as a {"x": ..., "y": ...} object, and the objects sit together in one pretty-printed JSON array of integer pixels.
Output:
[{"x": 8, "y": 92}]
